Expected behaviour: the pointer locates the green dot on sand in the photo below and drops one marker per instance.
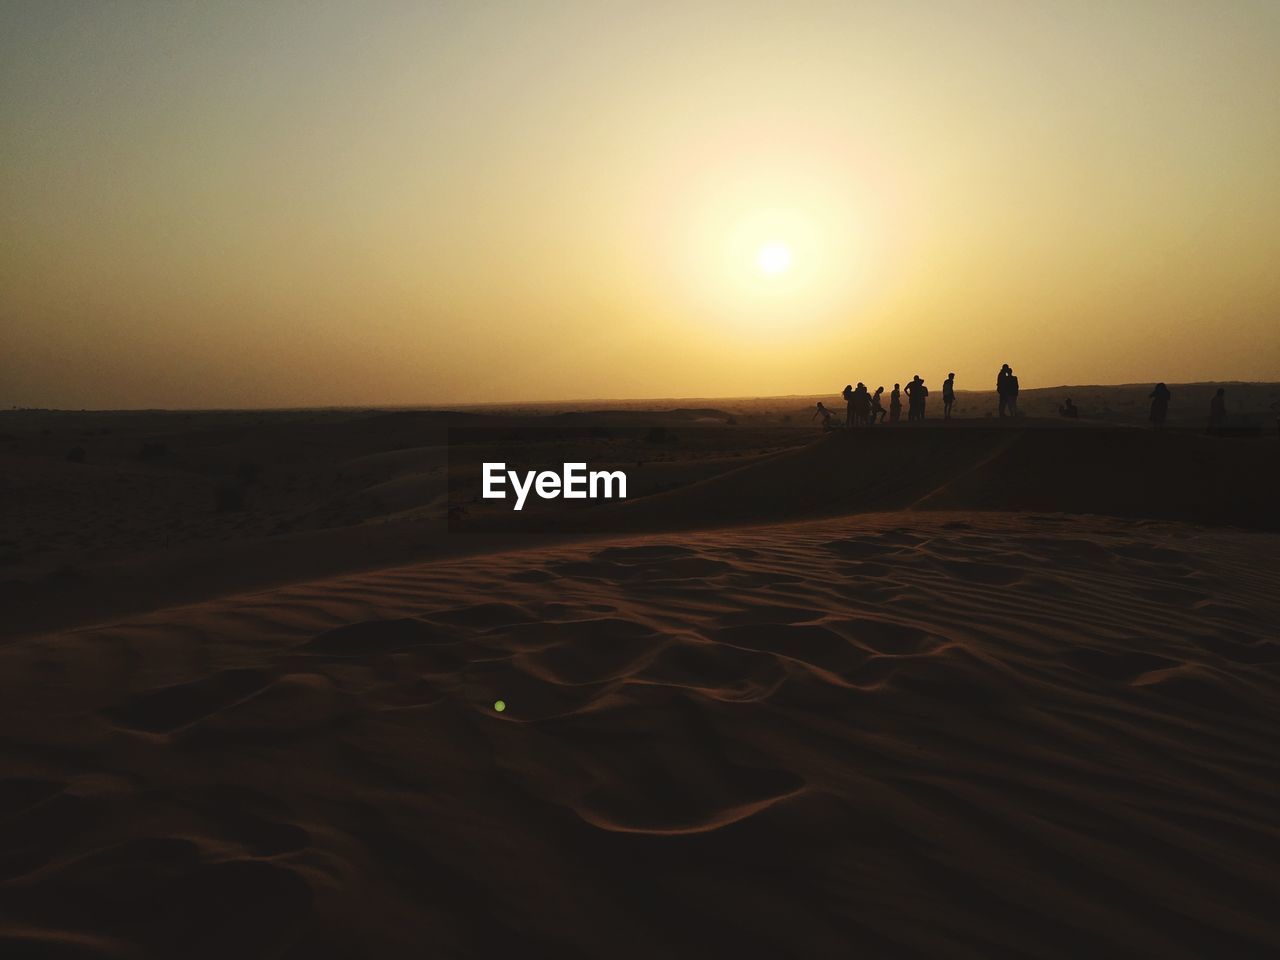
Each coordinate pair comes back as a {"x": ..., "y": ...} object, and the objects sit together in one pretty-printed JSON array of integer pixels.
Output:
[{"x": 499, "y": 705}]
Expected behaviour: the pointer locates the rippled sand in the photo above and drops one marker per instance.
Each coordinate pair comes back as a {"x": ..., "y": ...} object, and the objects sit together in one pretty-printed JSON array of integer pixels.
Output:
[{"x": 899, "y": 734}]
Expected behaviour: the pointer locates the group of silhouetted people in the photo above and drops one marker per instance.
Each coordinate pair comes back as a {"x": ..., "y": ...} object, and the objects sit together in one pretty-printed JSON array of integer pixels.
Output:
[{"x": 864, "y": 408}]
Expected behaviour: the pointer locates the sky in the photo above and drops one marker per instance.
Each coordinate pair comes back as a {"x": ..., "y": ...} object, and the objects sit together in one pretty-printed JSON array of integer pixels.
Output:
[{"x": 313, "y": 203}]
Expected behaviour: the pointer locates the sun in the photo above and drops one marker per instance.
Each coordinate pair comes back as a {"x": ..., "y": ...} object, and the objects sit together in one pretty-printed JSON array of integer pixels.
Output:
[{"x": 773, "y": 259}]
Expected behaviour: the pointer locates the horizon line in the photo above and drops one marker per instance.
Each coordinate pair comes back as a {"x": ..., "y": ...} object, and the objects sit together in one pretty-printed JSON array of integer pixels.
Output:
[{"x": 444, "y": 406}]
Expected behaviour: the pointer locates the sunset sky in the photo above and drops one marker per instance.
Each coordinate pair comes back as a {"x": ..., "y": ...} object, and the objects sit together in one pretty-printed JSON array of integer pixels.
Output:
[{"x": 322, "y": 203}]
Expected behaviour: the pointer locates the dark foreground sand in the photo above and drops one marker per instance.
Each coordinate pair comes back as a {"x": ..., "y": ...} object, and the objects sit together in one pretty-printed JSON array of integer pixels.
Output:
[{"x": 907, "y": 734}]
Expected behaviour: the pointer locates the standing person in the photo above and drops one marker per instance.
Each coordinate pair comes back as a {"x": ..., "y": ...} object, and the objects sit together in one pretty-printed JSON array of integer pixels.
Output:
[
  {"x": 948, "y": 395},
  {"x": 847, "y": 393},
  {"x": 895, "y": 403},
  {"x": 910, "y": 391},
  {"x": 877, "y": 410},
  {"x": 1159, "y": 398},
  {"x": 1002, "y": 389},
  {"x": 1069, "y": 410},
  {"x": 1218, "y": 411},
  {"x": 861, "y": 405},
  {"x": 1011, "y": 392}
]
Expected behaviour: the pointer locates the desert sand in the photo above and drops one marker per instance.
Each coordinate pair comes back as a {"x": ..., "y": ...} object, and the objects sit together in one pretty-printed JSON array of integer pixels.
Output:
[{"x": 936, "y": 717}]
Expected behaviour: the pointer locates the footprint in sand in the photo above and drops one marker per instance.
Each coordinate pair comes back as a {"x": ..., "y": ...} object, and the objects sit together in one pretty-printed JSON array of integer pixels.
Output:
[
  {"x": 716, "y": 671},
  {"x": 483, "y": 616},
  {"x": 858, "y": 548},
  {"x": 888, "y": 637},
  {"x": 293, "y": 704},
  {"x": 262, "y": 823},
  {"x": 576, "y": 660},
  {"x": 815, "y": 645},
  {"x": 168, "y": 708},
  {"x": 379, "y": 636},
  {"x": 683, "y": 783}
]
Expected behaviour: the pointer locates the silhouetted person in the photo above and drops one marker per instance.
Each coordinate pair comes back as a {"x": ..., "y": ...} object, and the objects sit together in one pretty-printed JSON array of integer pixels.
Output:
[
  {"x": 877, "y": 410},
  {"x": 948, "y": 395},
  {"x": 1002, "y": 389},
  {"x": 916, "y": 392},
  {"x": 1159, "y": 405},
  {"x": 847, "y": 393},
  {"x": 1012, "y": 393},
  {"x": 1069, "y": 410},
  {"x": 895, "y": 403},
  {"x": 861, "y": 406},
  {"x": 829, "y": 421},
  {"x": 1218, "y": 411}
]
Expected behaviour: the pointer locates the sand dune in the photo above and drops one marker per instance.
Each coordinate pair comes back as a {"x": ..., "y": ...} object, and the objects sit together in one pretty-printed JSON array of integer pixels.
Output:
[
  {"x": 901, "y": 734},
  {"x": 169, "y": 508},
  {"x": 934, "y": 730},
  {"x": 972, "y": 465}
]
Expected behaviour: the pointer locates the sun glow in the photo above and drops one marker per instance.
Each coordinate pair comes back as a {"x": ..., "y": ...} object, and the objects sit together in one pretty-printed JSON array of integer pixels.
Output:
[
  {"x": 773, "y": 259},
  {"x": 765, "y": 249}
]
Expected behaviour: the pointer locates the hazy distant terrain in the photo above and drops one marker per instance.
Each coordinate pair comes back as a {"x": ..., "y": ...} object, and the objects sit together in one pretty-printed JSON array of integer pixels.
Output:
[
  {"x": 1118, "y": 404},
  {"x": 115, "y": 510}
]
